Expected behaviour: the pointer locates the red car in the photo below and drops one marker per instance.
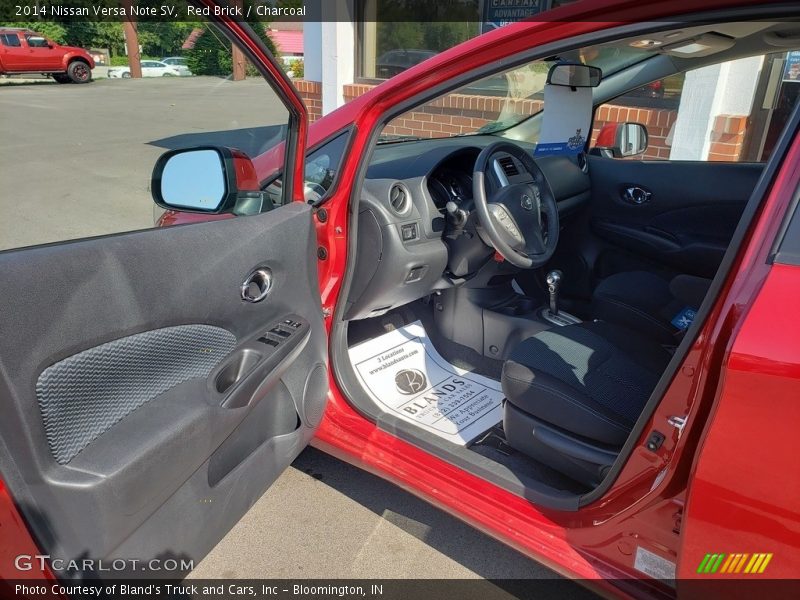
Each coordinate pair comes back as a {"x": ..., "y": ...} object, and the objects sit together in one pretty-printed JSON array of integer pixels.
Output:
[
  {"x": 591, "y": 358},
  {"x": 23, "y": 51}
]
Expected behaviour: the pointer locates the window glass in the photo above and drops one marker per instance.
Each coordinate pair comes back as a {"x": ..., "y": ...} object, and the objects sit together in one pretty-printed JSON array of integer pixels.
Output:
[
  {"x": 727, "y": 112},
  {"x": 498, "y": 102},
  {"x": 322, "y": 166},
  {"x": 79, "y": 164},
  {"x": 10, "y": 39},
  {"x": 36, "y": 41},
  {"x": 394, "y": 35}
]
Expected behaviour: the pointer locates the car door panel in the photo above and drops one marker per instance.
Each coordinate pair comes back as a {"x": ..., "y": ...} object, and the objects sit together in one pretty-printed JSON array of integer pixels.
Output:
[
  {"x": 145, "y": 405},
  {"x": 686, "y": 221}
]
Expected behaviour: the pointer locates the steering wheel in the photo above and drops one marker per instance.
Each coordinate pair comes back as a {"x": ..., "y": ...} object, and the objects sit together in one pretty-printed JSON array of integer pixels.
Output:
[{"x": 521, "y": 219}]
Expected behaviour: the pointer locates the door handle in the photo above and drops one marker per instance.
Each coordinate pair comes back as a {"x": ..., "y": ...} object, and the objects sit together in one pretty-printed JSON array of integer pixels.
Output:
[
  {"x": 634, "y": 194},
  {"x": 257, "y": 285}
]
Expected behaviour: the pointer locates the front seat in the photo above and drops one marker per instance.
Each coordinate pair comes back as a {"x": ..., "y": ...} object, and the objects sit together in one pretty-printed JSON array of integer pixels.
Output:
[
  {"x": 652, "y": 305},
  {"x": 574, "y": 393}
]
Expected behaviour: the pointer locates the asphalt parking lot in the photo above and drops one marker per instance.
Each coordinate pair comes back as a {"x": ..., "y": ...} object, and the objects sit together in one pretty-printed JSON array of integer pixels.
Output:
[
  {"x": 79, "y": 157},
  {"x": 75, "y": 161}
]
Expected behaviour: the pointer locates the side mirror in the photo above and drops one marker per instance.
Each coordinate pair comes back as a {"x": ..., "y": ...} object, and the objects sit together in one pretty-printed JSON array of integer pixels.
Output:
[
  {"x": 620, "y": 140},
  {"x": 208, "y": 179},
  {"x": 574, "y": 75}
]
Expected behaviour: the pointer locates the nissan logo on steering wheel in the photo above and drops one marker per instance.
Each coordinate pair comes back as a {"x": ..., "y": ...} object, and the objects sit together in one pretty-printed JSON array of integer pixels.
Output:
[{"x": 526, "y": 202}]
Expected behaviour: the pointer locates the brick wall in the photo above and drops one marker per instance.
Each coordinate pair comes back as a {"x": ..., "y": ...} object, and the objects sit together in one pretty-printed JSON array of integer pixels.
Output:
[
  {"x": 311, "y": 93},
  {"x": 658, "y": 122},
  {"x": 465, "y": 113},
  {"x": 727, "y": 137}
]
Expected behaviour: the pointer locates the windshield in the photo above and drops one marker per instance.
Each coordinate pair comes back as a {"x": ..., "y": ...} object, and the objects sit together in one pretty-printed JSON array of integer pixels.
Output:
[{"x": 498, "y": 102}]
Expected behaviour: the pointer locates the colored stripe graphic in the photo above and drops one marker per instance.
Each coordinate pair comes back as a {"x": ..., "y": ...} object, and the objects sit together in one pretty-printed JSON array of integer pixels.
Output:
[
  {"x": 764, "y": 564},
  {"x": 750, "y": 564},
  {"x": 727, "y": 563},
  {"x": 716, "y": 564}
]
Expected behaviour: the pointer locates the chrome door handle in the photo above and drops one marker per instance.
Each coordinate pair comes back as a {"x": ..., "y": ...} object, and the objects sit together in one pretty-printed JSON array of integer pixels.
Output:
[
  {"x": 257, "y": 285},
  {"x": 636, "y": 195}
]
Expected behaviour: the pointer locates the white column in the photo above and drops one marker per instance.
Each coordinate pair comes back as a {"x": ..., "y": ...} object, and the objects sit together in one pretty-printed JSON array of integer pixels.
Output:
[
  {"x": 720, "y": 89},
  {"x": 338, "y": 45},
  {"x": 312, "y": 49}
]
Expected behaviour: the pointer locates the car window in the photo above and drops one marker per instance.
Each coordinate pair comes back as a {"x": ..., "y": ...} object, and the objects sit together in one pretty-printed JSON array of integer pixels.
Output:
[
  {"x": 497, "y": 102},
  {"x": 726, "y": 112},
  {"x": 10, "y": 39},
  {"x": 322, "y": 166},
  {"x": 98, "y": 166},
  {"x": 36, "y": 41}
]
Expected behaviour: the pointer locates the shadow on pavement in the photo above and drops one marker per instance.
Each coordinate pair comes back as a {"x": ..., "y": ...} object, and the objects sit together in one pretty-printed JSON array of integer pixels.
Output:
[{"x": 470, "y": 548}]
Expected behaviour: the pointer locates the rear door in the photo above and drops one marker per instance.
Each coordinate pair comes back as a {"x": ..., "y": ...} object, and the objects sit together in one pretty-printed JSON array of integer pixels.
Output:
[
  {"x": 11, "y": 51},
  {"x": 674, "y": 208},
  {"x": 145, "y": 404},
  {"x": 686, "y": 220}
]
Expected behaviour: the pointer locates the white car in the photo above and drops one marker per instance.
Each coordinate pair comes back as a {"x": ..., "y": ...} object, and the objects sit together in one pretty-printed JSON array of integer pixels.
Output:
[
  {"x": 150, "y": 68},
  {"x": 179, "y": 62}
]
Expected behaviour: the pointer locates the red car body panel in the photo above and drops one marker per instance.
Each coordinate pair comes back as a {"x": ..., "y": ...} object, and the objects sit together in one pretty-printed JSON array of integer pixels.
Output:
[
  {"x": 728, "y": 509},
  {"x": 25, "y": 59}
]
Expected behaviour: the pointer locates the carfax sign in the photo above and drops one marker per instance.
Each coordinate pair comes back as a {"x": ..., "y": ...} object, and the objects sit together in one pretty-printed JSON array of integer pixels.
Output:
[{"x": 496, "y": 13}]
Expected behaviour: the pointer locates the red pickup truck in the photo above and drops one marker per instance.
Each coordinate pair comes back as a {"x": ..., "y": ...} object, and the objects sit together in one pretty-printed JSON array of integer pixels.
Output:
[{"x": 25, "y": 51}]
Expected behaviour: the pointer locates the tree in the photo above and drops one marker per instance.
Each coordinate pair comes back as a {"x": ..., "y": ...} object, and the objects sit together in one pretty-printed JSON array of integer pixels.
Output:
[{"x": 211, "y": 54}]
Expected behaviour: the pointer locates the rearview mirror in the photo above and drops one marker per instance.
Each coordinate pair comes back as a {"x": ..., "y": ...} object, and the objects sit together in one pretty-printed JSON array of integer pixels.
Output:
[
  {"x": 209, "y": 179},
  {"x": 574, "y": 75},
  {"x": 620, "y": 140}
]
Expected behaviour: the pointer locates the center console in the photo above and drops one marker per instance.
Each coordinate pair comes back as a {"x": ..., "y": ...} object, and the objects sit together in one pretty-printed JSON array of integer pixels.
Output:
[{"x": 494, "y": 320}]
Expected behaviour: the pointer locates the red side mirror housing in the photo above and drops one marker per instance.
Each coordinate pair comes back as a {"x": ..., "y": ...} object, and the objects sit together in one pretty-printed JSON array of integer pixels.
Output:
[
  {"x": 208, "y": 179},
  {"x": 620, "y": 140}
]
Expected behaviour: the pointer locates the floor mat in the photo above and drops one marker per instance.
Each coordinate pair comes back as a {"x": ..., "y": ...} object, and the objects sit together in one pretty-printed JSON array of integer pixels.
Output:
[{"x": 406, "y": 376}]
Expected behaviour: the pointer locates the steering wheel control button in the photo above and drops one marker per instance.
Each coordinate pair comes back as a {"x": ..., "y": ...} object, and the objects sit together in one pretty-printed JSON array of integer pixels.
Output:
[{"x": 409, "y": 232}]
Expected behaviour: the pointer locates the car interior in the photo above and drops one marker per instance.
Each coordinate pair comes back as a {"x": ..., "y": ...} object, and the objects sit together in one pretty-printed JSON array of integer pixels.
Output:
[{"x": 513, "y": 313}]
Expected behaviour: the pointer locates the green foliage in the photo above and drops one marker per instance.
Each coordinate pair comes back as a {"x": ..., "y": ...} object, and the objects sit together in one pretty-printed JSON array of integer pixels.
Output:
[
  {"x": 56, "y": 32},
  {"x": 122, "y": 61},
  {"x": 211, "y": 54},
  {"x": 297, "y": 67},
  {"x": 156, "y": 38}
]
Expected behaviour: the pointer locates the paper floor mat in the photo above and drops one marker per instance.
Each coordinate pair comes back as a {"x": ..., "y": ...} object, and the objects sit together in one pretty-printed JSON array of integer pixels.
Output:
[{"x": 406, "y": 377}]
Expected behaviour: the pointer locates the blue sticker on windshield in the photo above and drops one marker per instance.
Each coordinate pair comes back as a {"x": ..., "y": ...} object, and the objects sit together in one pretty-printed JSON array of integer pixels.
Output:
[{"x": 684, "y": 318}]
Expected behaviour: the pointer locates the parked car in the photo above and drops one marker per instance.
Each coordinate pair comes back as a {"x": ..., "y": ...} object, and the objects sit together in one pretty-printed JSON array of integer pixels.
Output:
[
  {"x": 150, "y": 68},
  {"x": 23, "y": 51},
  {"x": 179, "y": 62},
  {"x": 404, "y": 291},
  {"x": 654, "y": 89},
  {"x": 393, "y": 62}
]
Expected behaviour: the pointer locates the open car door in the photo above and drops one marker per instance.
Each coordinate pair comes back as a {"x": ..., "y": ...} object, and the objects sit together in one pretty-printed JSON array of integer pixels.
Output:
[{"x": 154, "y": 384}]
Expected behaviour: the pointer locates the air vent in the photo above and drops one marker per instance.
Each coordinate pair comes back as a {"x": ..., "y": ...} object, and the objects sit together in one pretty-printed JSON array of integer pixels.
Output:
[
  {"x": 399, "y": 199},
  {"x": 508, "y": 165}
]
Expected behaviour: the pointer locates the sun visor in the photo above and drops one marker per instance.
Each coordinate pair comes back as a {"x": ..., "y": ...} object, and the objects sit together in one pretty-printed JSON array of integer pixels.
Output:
[{"x": 566, "y": 120}]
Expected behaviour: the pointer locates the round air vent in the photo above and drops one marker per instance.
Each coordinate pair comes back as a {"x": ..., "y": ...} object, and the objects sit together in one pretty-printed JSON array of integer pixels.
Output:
[{"x": 399, "y": 198}]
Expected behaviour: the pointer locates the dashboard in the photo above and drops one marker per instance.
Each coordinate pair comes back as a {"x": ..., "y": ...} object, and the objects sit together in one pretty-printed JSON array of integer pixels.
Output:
[{"x": 418, "y": 231}]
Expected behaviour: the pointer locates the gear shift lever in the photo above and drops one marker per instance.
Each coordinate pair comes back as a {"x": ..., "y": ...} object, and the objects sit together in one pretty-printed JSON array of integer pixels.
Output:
[{"x": 553, "y": 280}]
